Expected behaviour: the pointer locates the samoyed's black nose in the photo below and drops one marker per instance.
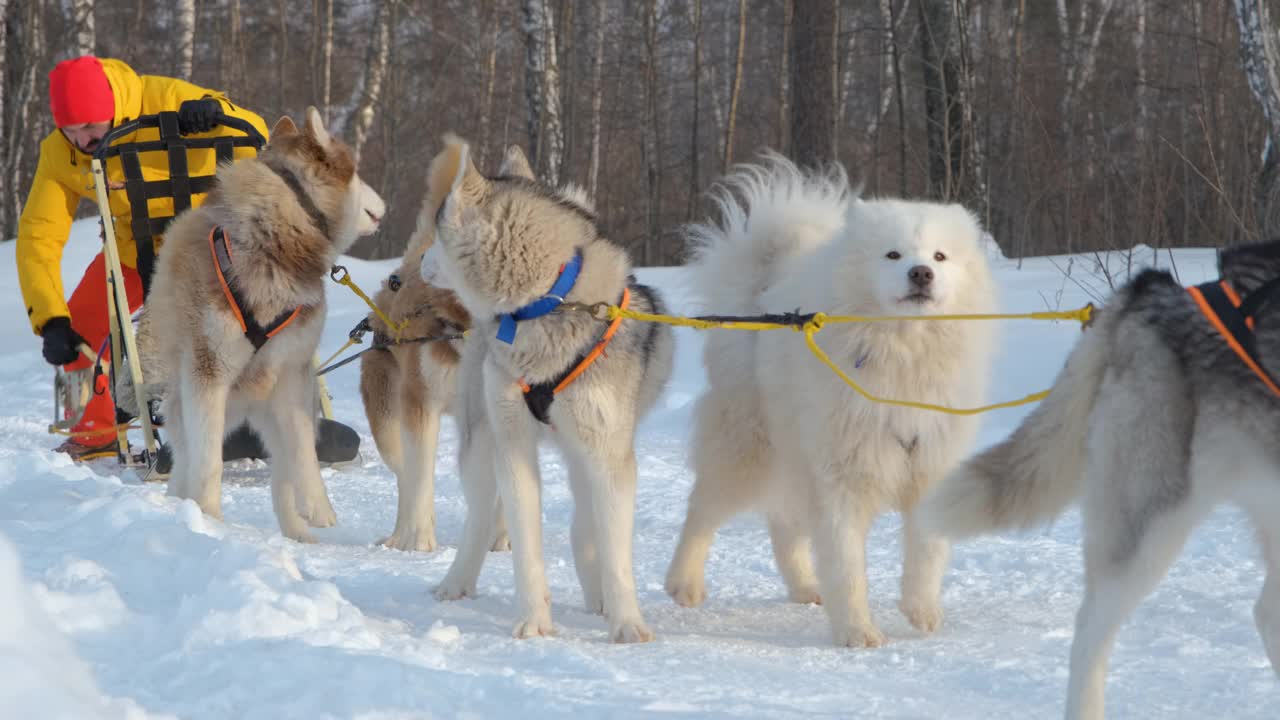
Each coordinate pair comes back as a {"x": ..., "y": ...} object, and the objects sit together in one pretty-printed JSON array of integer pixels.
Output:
[{"x": 921, "y": 275}]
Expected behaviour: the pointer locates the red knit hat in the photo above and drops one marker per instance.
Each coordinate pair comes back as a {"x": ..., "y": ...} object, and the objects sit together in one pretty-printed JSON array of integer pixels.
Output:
[{"x": 80, "y": 93}]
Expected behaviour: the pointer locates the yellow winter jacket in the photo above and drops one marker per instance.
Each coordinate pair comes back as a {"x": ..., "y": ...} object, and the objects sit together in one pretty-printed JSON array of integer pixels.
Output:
[{"x": 63, "y": 177}]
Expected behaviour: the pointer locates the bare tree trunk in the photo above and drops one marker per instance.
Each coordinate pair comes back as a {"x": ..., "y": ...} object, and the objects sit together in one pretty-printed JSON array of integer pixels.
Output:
[
  {"x": 597, "y": 100},
  {"x": 695, "y": 179},
  {"x": 568, "y": 85},
  {"x": 5, "y": 231},
  {"x": 283, "y": 60},
  {"x": 954, "y": 164},
  {"x": 887, "y": 67},
  {"x": 813, "y": 83},
  {"x": 1260, "y": 57},
  {"x": 233, "y": 60},
  {"x": 736, "y": 88},
  {"x": 1139, "y": 47},
  {"x": 83, "y": 27},
  {"x": 901, "y": 94},
  {"x": 653, "y": 138},
  {"x": 184, "y": 15},
  {"x": 844, "y": 73},
  {"x": 490, "y": 80},
  {"x": 23, "y": 134},
  {"x": 375, "y": 69},
  {"x": 784, "y": 77},
  {"x": 542, "y": 88},
  {"x": 328, "y": 61}
]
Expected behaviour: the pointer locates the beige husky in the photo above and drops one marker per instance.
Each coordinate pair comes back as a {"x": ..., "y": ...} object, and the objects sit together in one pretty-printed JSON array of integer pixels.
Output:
[
  {"x": 237, "y": 309},
  {"x": 408, "y": 381},
  {"x": 514, "y": 249}
]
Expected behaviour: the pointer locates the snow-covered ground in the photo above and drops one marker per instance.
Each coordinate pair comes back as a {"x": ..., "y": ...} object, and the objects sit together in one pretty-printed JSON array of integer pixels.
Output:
[{"x": 117, "y": 601}]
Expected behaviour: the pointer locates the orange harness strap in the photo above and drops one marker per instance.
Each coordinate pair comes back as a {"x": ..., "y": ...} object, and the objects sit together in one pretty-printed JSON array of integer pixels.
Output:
[
  {"x": 1220, "y": 303},
  {"x": 253, "y": 330},
  {"x": 540, "y": 396}
]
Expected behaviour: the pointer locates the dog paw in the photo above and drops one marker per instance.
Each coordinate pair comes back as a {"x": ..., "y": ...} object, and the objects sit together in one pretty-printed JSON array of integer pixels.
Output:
[
  {"x": 805, "y": 596},
  {"x": 451, "y": 589},
  {"x": 412, "y": 540},
  {"x": 536, "y": 625},
  {"x": 924, "y": 616},
  {"x": 630, "y": 631},
  {"x": 687, "y": 592},
  {"x": 858, "y": 636},
  {"x": 319, "y": 513},
  {"x": 502, "y": 543}
]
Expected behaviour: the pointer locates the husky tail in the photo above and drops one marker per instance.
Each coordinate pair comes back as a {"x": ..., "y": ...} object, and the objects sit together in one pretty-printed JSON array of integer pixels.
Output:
[
  {"x": 777, "y": 211},
  {"x": 1033, "y": 475}
]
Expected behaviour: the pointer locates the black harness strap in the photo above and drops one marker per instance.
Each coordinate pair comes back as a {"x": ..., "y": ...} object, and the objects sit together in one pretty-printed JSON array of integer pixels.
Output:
[
  {"x": 304, "y": 199},
  {"x": 253, "y": 330},
  {"x": 1235, "y": 321},
  {"x": 539, "y": 396}
]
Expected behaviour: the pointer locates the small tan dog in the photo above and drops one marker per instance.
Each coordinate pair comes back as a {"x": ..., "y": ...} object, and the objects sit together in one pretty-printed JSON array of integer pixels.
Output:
[
  {"x": 407, "y": 382},
  {"x": 237, "y": 310}
]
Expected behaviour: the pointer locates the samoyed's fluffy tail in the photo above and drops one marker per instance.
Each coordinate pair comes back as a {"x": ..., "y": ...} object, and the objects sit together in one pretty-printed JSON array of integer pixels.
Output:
[{"x": 769, "y": 211}]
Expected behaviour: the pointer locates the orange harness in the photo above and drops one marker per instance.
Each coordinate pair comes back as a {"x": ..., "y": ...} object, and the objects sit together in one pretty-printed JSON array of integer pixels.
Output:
[
  {"x": 253, "y": 330},
  {"x": 540, "y": 395},
  {"x": 1234, "y": 321}
]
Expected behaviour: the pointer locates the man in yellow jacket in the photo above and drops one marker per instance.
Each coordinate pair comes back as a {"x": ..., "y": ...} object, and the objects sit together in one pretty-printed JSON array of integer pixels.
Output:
[{"x": 88, "y": 96}]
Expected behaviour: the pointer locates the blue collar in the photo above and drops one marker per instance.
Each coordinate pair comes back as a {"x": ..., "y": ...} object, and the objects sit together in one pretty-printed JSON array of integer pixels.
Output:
[{"x": 543, "y": 305}]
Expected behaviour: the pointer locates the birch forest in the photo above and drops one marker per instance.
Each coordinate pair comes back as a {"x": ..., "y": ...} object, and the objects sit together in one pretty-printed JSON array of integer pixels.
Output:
[{"x": 1066, "y": 125}]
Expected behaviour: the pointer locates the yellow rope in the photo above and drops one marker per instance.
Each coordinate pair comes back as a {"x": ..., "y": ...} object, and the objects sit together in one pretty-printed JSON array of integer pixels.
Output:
[
  {"x": 817, "y": 321},
  {"x": 352, "y": 341},
  {"x": 814, "y": 325},
  {"x": 346, "y": 280}
]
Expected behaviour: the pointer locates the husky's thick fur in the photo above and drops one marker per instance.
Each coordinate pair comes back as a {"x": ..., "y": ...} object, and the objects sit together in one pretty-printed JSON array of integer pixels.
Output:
[
  {"x": 503, "y": 241},
  {"x": 778, "y": 432},
  {"x": 1152, "y": 423},
  {"x": 407, "y": 387},
  {"x": 286, "y": 215}
]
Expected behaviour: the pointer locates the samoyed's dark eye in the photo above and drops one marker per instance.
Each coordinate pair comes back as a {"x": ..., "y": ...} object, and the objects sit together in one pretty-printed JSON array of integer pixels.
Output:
[
  {"x": 939, "y": 256},
  {"x": 894, "y": 255}
]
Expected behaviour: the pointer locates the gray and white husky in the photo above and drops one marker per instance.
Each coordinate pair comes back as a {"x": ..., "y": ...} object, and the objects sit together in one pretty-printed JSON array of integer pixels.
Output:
[
  {"x": 508, "y": 244},
  {"x": 1154, "y": 421}
]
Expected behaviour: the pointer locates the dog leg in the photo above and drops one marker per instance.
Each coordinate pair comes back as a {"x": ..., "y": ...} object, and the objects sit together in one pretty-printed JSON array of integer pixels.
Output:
[
  {"x": 841, "y": 540},
  {"x": 1266, "y": 613},
  {"x": 582, "y": 534},
  {"x": 179, "y": 483},
  {"x": 792, "y": 550},
  {"x": 288, "y": 431},
  {"x": 501, "y": 541},
  {"x": 381, "y": 398},
  {"x": 726, "y": 482},
  {"x": 1124, "y": 560},
  {"x": 415, "y": 513},
  {"x": 924, "y": 563},
  {"x": 204, "y": 410},
  {"x": 613, "y": 498},
  {"x": 479, "y": 486},
  {"x": 519, "y": 486},
  {"x": 313, "y": 499}
]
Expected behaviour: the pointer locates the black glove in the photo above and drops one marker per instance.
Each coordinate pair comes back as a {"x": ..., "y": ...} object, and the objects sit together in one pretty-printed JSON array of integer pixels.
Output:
[
  {"x": 197, "y": 116},
  {"x": 61, "y": 343}
]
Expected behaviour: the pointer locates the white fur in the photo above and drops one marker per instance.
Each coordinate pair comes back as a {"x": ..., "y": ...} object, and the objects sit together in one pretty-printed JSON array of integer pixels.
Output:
[{"x": 779, "y": 432}]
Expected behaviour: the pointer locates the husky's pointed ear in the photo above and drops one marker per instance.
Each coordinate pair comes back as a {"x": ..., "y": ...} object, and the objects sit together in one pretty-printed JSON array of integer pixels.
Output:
[
  {"x": 315, "y": 126},
  {"x": 284, "y": 127},
  {"x": 466, "y": 184},
  {"x": 515, "y": 164}
]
